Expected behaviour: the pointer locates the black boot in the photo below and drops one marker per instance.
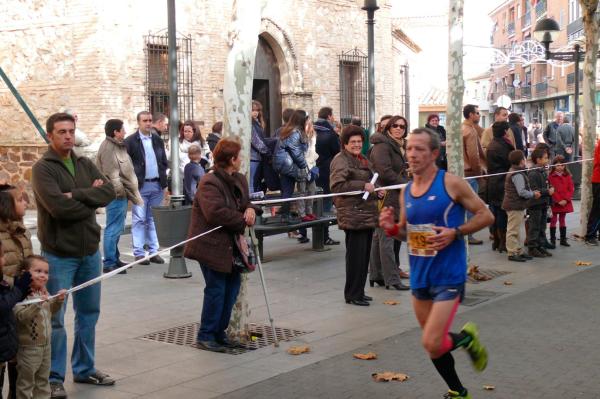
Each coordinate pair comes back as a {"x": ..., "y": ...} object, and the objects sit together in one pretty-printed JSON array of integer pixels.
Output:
[
  {"x": 553, "y": 236},
  {"x": 563, "y": 237}
]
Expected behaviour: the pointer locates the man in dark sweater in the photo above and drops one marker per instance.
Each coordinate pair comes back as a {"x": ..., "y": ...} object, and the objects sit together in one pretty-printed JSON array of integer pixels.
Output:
[
  {"x": 68, "y": 189},
  {"x": 327, "y": 147},
  {"x": 538, "y": 181}
]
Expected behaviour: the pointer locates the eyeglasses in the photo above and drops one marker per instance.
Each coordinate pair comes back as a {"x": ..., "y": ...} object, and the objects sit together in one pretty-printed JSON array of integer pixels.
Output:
[
  {"x": 355, "y": 142},
  {"x": 396, "y": 126}
]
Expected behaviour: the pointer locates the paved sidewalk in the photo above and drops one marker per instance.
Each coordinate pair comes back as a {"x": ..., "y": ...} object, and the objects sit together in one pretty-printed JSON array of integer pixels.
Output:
[
  {"x": 306, "y": 293},
  {"x": 543, "y": 343}
]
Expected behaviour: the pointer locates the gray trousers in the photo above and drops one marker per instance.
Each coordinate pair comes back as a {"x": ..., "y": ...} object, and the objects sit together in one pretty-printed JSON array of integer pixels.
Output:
[
  {"x": 33, "y": 371},
  {"x": 382, "y": 265}
]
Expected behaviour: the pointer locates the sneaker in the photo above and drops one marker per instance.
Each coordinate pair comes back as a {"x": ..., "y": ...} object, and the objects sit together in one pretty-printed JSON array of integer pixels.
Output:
[
  {"x": 476, "y": 350},
  {"x": 211, "y": 346},
  {"x": 307, "y": 218},
  {"x": 591, "y": 241},
  {"x": 97, "y": 378},
  {"x": 146, "y": 262},
  {"x": 57, "y": 390},
  {"x": 545, "y": 251},
  {"x": 157, "y": 259},
  {"x": 475, "y": 241},
  {"x": 331, "y": 241},
  {"x": 456, "y": 395},
  {"x": 303, "y": 240},
  {"x": 516, "y": 258},
  {"x": 534, "y": 252}
]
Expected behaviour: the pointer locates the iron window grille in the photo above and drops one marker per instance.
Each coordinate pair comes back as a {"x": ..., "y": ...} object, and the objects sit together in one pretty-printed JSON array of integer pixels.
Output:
[
  {"x": 353, "y": 68},
  {"x": 157, "y": 75}
]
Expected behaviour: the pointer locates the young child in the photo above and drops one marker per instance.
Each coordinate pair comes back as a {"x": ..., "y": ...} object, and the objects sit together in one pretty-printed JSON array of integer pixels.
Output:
[
  {"x": 10, "y": 295},
  {"x": 538, "y": 181},
  {"x": 560, "y": 179},
  {"x": 34, "y": 331},
  {"x": 192, "y": 173},
  {"x": 517, "y": 195}
]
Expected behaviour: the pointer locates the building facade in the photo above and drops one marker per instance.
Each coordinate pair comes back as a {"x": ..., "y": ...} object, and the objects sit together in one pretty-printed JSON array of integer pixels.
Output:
[
  {"x": 109, "y": 60},
  {"x": 537, "y": 89}
]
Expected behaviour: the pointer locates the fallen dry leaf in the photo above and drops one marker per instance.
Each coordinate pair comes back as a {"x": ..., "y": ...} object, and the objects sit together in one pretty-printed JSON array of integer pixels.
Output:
[
  {"x": 476, "y": 275},
  {"x": 582, "y": 263},
  {"x": 391, "y": 302},
  {"x": 298, "y": 350},
  {"x": 508, "y": 283},
  {"x": 387, "y": 376},
  {"x": 489, "y": 387},
  {"x": 365, "y": 356}
]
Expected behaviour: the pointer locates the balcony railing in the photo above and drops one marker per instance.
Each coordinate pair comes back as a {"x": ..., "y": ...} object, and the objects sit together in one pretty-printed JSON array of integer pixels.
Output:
[
  {"x": 541, "y": 89},
  {"x": 526, "y": 92},
  {"x": 540, "y": 9},
  {"x": 510, "y": 91},
  {"x": 510, "y": 28},
  {"x": 526, "y": 20},
  {"x": 571, "y": 79}
]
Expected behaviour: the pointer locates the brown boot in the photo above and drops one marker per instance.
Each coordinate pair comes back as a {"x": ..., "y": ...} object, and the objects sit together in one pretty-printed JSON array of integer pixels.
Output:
[{"x": 502, "y": 240}]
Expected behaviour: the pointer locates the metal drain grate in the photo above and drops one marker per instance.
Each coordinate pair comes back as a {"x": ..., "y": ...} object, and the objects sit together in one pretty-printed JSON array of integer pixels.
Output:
[
  {"x": 262, "y": 336},
  {"x": 476, "y": 297},
  {"x": 490, "y": 273}
]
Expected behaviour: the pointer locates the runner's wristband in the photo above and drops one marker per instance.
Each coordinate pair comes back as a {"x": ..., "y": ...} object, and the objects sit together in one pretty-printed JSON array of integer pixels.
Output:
[{"x": 393, "y": 231}]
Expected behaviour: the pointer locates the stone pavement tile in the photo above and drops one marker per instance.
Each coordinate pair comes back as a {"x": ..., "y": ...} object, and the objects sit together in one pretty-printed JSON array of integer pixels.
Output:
[
  {"x": 542, "y": 343},
  {"x": 231, "y": 379},
  {"x": 157, "y": 379},
  {"x": 180, "y": 392}
]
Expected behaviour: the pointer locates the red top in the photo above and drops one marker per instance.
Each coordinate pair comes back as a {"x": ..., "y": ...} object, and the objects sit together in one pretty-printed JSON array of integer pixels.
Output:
[
  {"x": 596, "y": 172},
  {"x": 563, "y": 190}
]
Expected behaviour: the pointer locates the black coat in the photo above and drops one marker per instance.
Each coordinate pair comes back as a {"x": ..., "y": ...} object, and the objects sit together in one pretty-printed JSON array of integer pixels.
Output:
[
  {"x": 518, "y": 132},
  {"x": 135, "y": 149},
  {"x": 497, "y": 162},
  {"x": 442, "y": 160},
  {"x": 9, "y": 296},
  {"x": 327, "y": 147}
]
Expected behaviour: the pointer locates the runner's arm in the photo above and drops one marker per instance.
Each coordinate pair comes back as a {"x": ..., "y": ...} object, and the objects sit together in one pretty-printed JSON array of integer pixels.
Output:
[
  {"x": 386, "y": 220},
  {"x": 462, "y": 193}
]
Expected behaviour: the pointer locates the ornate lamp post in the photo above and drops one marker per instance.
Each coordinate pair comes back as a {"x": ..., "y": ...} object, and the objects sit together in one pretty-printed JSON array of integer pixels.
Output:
[
  {"x": 546, "y": 31},
  {"x": 370, "y": 7}
]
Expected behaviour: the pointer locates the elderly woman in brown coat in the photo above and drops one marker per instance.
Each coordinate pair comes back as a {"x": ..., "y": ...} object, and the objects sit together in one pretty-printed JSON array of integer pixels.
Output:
[
  {"x": 388, "y": 159},
  {"x": 350, "y": 171},
  {"x": 221, "y": 200}
]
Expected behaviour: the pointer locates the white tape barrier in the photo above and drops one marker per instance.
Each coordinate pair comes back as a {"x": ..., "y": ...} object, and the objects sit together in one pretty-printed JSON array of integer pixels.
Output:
[
  {"x": 392, "y": 187},
  {"x": 265, "y": 202},
  {"x": 120, "y": 269}
]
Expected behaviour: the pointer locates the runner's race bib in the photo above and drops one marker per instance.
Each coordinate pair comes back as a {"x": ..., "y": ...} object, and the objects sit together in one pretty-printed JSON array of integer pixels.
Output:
[{"x": 417, "y": 239}]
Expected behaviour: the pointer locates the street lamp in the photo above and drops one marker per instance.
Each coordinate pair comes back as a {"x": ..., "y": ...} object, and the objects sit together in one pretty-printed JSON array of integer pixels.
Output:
[
  {"x": 546, "y": 31},
  {"x": 370, "y": 7}
]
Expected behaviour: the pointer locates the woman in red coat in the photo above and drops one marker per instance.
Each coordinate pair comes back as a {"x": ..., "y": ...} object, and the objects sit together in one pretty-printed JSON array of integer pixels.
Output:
[{"x": 560, "y": 179}]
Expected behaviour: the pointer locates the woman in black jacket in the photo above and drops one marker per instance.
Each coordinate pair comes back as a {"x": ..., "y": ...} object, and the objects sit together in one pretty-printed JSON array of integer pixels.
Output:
[
  {"x": 433, "y": 123},
  {"x": 497, "y": 162}
]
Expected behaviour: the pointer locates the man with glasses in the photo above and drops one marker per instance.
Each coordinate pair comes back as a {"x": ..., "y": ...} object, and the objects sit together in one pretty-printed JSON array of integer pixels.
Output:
[
  {"x": 473, "y": 155},
  {"x": 147, "y": 152}
]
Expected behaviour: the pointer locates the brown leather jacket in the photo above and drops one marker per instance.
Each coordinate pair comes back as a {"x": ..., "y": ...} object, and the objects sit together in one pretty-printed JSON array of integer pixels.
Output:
[
  {"x": 349, "y": 173},
  {"x": 221, "y": 200},
  {"x": 473, "y": 154}
]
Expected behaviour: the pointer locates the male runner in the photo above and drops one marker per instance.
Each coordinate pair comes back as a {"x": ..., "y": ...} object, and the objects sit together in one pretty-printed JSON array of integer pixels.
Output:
[{"x": 432, "y": 220}]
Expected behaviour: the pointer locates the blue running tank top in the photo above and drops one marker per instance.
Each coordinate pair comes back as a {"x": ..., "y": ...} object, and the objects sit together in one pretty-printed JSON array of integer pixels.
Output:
[{"x": 434, "y": 208}]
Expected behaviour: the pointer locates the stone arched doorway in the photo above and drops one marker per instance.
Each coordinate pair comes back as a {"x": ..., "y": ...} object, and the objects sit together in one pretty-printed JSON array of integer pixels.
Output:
[{"x": 266, "y": 87}]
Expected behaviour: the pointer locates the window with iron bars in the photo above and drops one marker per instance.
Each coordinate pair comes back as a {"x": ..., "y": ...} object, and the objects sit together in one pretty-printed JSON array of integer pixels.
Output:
[
  {"x": 353, "y": 68},
  {"x": 157, "y": 75}
]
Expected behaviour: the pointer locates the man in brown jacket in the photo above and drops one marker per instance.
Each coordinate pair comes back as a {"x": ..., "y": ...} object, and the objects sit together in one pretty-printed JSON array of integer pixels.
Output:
[
  {"x": 114, "y": 162},
  {"x": 500, "y": 115},
  {"x": 68, "y": 189},
  {"x": 473, "y": 155}
]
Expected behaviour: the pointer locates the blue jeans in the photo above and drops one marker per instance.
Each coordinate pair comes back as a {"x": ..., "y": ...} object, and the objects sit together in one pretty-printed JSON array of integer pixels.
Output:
[
  {"x": 143, "y": 230},
  {"x": 220, "y": 294},
  {"x": 66, "y": 273},
  {"x": 287, "y": 191},
  {"x": 116, "y": 212}
]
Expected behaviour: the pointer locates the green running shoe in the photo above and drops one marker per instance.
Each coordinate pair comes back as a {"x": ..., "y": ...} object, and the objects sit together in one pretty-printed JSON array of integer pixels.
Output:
[
  {"x": 477, "y": 351},
  {"x": 456, "y": 395}
]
